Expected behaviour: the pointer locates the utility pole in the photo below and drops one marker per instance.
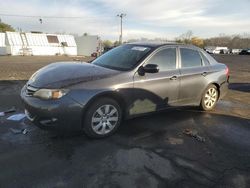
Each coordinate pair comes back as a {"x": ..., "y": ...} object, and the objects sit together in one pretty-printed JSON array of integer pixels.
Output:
[{"x": 121, "y": 16}]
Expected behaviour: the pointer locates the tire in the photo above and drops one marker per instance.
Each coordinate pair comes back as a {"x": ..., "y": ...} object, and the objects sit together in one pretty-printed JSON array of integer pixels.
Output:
[
  {"x": 209, "y": 98},
  {"x": 102, "y": 118}
]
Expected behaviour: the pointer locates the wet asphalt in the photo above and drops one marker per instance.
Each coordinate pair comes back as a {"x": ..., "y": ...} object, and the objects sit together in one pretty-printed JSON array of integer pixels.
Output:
[{"x": 150, "y": 151}]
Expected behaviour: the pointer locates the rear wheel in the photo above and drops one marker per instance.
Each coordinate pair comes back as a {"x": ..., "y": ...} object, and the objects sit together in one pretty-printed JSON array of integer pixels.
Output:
[
  {"x": 210, "y": 98},
  {"x": 102, "y": 118}
]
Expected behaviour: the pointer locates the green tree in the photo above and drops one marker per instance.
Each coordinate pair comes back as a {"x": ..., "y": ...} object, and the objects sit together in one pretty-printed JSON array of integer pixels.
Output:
[
  {"x": 107, "y": 44},
  {"x": 117, "y": 43},
  {"x": 185, "y": 37},
  {"x": 5, "y": 27}
]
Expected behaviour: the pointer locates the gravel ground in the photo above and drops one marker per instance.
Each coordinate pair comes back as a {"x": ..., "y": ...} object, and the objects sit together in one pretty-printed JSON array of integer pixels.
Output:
[{"x": 22, "y": 67}]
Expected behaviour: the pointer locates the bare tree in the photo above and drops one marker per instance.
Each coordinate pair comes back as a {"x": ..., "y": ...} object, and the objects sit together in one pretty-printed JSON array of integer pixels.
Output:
[
  {"x": 233, "y": 41},
  {"x": 185, "y": 37}
]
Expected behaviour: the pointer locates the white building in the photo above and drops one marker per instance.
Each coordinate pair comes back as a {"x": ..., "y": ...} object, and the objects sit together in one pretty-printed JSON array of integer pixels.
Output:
[
  {"x": 2, "y": 44},
  {"x": 89, "y": 44},
  {"x": 38, "y": 44}
]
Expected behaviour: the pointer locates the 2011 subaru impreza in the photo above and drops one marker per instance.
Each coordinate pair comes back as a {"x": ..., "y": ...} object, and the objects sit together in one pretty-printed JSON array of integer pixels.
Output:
[{"x": 129, "y": 80}]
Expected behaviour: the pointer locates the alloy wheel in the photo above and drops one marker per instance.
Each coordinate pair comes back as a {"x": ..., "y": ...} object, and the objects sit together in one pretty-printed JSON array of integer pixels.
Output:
[
  {"x": 210, "y": 98},
  {"x": 104, "y": 119}
]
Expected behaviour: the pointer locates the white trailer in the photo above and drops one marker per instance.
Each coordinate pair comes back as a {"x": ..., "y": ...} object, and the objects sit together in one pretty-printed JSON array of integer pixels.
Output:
[{"x": 87, "y": 45}]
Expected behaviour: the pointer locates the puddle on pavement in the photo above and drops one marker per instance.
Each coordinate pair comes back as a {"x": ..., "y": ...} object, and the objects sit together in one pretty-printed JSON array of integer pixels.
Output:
[
  {"x": 229, "y": 104},
  {"x": 233, "y": 108},
  {"x": 125, "y": 164}
]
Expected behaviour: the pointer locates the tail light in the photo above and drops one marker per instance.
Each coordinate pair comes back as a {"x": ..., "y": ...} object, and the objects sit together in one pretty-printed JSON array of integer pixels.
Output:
[{"x": 227, "y": 71}]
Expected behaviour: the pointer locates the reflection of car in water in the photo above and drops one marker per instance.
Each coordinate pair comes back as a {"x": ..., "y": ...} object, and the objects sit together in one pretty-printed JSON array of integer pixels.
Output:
[{"x": 125, "y": 82}]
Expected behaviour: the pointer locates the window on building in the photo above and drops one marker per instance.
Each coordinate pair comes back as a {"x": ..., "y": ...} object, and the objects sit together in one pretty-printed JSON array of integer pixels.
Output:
[
  {"x": 52, "y": 39},
  {"x": 64, "y": 44}
]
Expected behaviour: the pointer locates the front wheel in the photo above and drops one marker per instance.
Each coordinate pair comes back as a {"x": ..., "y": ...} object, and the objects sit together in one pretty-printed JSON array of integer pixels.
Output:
[
  {"x": 102, "y": 118},
  {"x": 209, "y": 98}
]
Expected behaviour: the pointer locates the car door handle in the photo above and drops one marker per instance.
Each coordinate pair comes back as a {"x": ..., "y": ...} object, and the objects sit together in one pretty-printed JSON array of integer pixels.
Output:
[
  {"x": 173, "y": 78},
  {"x": 204, "y": 74}
]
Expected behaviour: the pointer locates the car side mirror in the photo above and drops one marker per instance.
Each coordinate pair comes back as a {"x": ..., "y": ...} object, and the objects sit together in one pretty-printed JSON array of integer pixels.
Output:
[{"x": 149, "y": 68}]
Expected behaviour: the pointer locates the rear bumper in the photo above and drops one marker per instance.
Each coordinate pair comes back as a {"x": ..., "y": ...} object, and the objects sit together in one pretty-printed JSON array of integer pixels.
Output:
[
  {"x": 62, "y": 114},
  {"x": 224, "y": 89}
]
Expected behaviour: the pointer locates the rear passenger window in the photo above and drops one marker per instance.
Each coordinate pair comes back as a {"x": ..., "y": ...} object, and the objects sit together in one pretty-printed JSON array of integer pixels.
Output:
[
  {"x": 165, "y": 59},
  {"x": 190, "y": 58},
  {"x": 205, "y": 60}
]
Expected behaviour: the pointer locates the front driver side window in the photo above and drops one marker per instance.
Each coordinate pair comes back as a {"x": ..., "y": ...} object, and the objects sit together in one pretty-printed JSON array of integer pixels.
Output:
[{"x": 165, "y": 59}]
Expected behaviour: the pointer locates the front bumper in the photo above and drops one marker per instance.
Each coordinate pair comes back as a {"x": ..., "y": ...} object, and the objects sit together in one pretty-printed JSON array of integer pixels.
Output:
[{"x": 61, "y": 114}]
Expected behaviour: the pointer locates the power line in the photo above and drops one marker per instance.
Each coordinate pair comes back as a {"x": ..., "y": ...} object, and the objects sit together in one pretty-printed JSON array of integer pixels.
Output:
[
  {"x": 50, "y": 17},
  {"x": 41, "y": 19},
  {"x": 89, "y": 19}
]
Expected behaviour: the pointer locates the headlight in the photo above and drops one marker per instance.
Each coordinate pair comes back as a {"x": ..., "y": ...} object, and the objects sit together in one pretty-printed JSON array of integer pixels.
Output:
[{"x": 50, "y": 93}]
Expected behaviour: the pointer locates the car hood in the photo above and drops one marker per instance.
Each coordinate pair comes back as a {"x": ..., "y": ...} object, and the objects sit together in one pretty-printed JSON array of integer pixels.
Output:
[{"x": 63, "y": 74}]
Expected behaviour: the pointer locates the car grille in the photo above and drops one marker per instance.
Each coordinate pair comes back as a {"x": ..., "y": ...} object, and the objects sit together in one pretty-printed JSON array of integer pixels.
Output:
[{"x": 30, "y": 90}]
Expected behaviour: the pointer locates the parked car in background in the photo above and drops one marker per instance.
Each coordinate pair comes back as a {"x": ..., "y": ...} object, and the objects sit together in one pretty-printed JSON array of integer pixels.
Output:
[
  {"x": 209, "y": 49},
  {"x": 218, "y": 52},
  {"x": 221, "y": 50},
  {"x": 95, "y": 54},
  {"x": 236, "y": 51},
  {"x": 127, "y": 81},
  {"x": 245, "y": 52}
]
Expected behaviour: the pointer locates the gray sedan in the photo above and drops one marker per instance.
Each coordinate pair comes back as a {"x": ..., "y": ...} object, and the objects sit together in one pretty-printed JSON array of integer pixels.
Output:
[{"x": 127, "y": 81}]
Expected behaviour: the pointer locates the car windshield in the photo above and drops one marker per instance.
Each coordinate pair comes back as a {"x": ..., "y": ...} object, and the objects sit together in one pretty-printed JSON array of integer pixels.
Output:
[{"x": 123, "y": 57}]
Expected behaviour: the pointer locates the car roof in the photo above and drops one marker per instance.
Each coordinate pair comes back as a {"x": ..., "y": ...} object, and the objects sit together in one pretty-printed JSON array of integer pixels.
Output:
[{"x": 159, "y": 44}]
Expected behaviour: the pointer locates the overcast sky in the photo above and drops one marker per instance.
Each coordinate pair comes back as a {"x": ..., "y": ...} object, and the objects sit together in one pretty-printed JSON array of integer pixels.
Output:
[{"x": 145, "y": 18}]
